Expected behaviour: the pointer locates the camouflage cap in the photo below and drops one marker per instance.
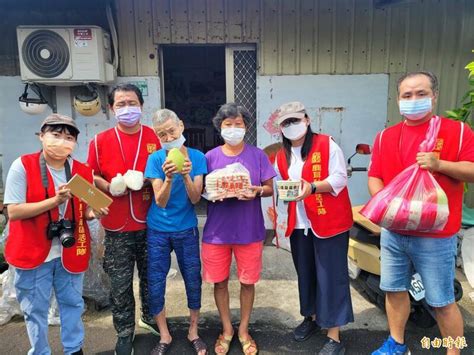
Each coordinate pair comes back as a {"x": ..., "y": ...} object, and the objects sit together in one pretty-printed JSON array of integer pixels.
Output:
[
  {"x": 57, "y": 119},
  {"x": 293, "y": 109}
]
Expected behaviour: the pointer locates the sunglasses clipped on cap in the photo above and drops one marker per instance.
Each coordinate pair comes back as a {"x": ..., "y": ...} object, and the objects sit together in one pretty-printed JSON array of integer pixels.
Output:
[{"x": 290, "y": 121}]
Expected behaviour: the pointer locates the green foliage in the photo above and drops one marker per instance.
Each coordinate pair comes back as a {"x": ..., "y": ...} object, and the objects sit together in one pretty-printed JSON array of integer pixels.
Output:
[{"x": 464, "y": 113}]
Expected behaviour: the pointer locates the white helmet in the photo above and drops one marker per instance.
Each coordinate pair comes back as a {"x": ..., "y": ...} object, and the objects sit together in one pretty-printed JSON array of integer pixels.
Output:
[
  {"x": 32, "y": 106},
  {"x": 87, "y": 105}
]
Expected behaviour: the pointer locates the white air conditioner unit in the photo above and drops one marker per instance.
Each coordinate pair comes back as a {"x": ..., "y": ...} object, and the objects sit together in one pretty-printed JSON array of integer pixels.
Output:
[{"x": 65, "y": 55}]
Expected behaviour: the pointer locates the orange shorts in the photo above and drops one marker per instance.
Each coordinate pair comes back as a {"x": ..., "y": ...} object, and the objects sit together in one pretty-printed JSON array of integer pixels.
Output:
[{"x": 216, "y": 260}]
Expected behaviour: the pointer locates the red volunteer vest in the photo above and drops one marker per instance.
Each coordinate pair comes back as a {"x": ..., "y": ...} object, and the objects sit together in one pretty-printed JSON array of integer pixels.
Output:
[
  {"x": 27, "y": 245},
  {"x": 110, "y": 160},
  {"x": 447, "y": 146},
  {"x": 329, "y": 215}
]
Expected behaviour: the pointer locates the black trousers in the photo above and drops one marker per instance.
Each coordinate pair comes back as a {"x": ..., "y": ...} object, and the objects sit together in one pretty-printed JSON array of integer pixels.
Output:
[
  {"x": 323, "y": 279},
  {"x": 122, "y": 251}
]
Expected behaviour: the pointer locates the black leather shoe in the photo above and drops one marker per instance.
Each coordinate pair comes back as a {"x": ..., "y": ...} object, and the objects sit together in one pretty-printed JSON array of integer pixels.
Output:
[
  {"x": 79, "y": 352},
  {"x": 305, "y": 329}
]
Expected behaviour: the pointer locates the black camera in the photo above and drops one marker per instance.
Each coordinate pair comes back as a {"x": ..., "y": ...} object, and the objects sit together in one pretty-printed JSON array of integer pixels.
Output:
[{"x": 64, "y": 230}]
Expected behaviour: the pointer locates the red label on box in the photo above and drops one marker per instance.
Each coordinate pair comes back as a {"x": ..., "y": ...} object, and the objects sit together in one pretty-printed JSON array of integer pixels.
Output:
[{"x": 82, "y": 34}]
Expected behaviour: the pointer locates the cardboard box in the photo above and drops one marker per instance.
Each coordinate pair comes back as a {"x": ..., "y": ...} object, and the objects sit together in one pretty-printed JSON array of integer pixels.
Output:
[{"x": 87, "y": 192}]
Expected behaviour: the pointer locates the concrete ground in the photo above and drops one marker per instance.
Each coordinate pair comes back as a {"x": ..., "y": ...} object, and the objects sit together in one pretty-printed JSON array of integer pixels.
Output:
[{"x": 276, "y": 313}]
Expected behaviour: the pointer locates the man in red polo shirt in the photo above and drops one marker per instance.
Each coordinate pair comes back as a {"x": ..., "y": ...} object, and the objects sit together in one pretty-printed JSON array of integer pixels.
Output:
[
  {"x": 116, "y": 151},
  {"x": 431, "y": 254}
]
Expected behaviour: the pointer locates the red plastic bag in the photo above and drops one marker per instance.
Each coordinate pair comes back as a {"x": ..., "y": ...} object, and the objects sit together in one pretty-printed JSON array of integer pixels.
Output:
[{"x": 413, "y": 200}]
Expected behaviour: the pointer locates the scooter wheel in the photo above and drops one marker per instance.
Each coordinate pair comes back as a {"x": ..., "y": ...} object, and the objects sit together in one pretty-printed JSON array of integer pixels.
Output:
[
  {"x": 3, "y": 267},
  {"x": 422, "y": 318},
  {"x": 458, "y": 291}
]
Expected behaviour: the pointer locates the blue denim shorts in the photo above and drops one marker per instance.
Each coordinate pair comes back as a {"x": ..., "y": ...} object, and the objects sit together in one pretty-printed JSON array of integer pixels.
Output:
[{"x": 433, "y": 258}]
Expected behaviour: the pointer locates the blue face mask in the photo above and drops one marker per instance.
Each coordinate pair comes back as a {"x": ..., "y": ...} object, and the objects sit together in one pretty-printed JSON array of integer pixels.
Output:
[
  {"x": 177, "y": 143},
  {"x": 415, "y": 110}
]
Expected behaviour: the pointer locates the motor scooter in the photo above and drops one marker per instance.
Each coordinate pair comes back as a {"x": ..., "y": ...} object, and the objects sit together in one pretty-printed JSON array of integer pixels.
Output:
[{"x": 364, "y": 262}]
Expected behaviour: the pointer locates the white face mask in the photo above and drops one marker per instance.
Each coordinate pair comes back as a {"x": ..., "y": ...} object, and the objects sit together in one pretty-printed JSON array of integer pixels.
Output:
[
  {"x": 233, "y": 136},
  {"x": 295, "y": 131},
  {"x": 177, "y": 143}
]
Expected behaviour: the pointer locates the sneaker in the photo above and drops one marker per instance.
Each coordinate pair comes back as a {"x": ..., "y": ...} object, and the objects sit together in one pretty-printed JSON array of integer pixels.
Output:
[
  {"x": 124, "y": 345},
  {"x": 332, "y": 347},
  {"x": 391, "y": 347},
  {"x": 305, "y": 329},
  {"x": 79, "y": 352},
  {"x": 150, "y": 326}
]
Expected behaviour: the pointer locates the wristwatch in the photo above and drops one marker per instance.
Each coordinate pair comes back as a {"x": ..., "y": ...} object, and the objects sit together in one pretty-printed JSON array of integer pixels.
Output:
[{"x": 313, "y": 188}]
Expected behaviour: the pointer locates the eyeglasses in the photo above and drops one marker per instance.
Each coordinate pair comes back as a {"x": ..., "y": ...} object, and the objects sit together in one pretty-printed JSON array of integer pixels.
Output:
[{"x": 290, "y": 121}]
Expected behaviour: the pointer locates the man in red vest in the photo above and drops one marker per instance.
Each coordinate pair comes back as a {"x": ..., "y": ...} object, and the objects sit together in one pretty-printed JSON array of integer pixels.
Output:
[
  {"x": 114, "y": 153},
  {"x": 49, "y": 241},
  {"x": 431, "y": 254}
]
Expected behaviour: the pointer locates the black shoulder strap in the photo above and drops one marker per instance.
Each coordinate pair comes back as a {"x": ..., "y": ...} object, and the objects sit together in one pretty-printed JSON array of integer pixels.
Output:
[
  {"x": 67, "y": 167},
  {"x": 68, "y": 170},
  {"x": 44, "y": 174},
  {"x": 45, "y": 181}
]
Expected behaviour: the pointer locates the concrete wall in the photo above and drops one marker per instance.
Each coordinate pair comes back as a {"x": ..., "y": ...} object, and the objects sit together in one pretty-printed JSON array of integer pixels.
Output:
[
  {"x": 17, "y": 133},
  {"x": 351, "y": 108}
]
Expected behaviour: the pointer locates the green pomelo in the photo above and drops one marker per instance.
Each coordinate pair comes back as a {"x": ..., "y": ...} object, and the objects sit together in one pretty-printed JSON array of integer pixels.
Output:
[{"x": 177, "y": 158}]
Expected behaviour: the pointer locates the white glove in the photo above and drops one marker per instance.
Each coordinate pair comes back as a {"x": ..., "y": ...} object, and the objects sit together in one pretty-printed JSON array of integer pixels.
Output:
[
  {"x": 117, "y": 186},
  {"x": 134, "y": 179}
]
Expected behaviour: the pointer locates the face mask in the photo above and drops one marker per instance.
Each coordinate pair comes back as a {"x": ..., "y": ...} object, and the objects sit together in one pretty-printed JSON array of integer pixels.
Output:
[
  {"x": 177, "y": 143},
  {"x": 295, "y": 131},
  {"x": 57, "y": 148},
  {"x": 233, "y": 136},
  {"x": 415, "y": 110},
  {"x": 128, "y": 115}
]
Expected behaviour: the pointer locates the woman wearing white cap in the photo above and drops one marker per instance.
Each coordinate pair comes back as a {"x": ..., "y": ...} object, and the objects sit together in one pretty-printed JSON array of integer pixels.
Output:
[{"x": 318, "y": 225}]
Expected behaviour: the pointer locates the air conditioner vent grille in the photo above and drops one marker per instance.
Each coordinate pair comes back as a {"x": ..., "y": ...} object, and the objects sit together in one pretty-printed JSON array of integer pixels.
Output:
[{"x": 45, "y": 53}]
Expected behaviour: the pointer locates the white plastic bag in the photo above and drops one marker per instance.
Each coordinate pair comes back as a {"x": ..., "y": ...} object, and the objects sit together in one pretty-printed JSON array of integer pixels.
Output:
[
  {"x": 281, "y": 209},
  {"x": 227, "y": 182},
  {"x": 117, "y": 185},
  {"x": 9, "y": 306},
  {"x": 96, "y": 282},
  {"x": 134, "y": 179},
  {"x": 53, "y": 313}
]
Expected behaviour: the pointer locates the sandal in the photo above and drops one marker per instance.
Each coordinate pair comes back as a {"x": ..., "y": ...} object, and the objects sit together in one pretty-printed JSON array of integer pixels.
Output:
[
  {"x": 161, "y": 349},
  {"x": 224, "y": 342},
  {"x": 198, "y": 345},
  {"x": 247, "y": 344}
]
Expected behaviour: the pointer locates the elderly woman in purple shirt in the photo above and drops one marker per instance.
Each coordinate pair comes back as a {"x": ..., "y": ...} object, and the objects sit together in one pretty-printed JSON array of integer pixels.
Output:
[{"x": 235, "y": 225}]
